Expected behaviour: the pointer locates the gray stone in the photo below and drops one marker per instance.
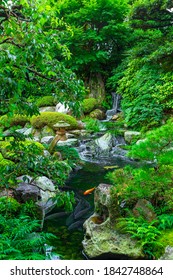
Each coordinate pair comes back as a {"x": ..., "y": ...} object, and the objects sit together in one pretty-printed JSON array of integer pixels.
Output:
[
  {"x": 144, "y": 208},
  {"x": 24, "y": 178},
  {"x": 25, "y": 192},
  {"x": 68, "y": 142},
  {"x": 101, "y": 236},
  {"x": 22, "y": 130},
  {"x": 47, "y": 131},
  {"x": 129, "y": 136},
  {"x": 168, "y": 255},
  {"x": 61, "y": 108},
  {"x": 46, "y": 139},
  {"x": 104, "y": 142},
  {"x": 47, "y": 109},
  {"x": 28, "y": 131},
  {"x": 44, "y": 183}
]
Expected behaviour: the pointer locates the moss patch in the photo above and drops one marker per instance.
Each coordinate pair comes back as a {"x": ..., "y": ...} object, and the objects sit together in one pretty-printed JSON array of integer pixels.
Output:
[
  {"x": 46, "y": 101},
  {"x": 51, "y": 118},
  {"x": 88, "y": 105}
]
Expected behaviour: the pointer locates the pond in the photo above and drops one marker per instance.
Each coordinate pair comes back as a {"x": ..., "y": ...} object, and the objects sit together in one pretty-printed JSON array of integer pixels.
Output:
[{"x": 69, "y": 243}]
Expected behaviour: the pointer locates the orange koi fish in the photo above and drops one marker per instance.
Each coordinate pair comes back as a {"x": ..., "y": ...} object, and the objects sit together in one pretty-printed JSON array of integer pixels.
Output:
[{"x": 89, "y": 191}]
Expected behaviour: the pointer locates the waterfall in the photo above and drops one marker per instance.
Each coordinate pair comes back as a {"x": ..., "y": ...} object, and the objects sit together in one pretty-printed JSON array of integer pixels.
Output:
[{"x": 115, "y": 105}]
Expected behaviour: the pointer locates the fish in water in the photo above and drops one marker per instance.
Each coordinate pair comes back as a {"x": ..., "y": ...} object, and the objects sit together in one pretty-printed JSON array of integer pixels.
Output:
[
  {"x": 89, "y": 191},
  {"x": 111, "y": 167},
  {"x": 56, "y": 216},
  {"x": 81, "y": 213},
  {"x": 76, "y": 225}
]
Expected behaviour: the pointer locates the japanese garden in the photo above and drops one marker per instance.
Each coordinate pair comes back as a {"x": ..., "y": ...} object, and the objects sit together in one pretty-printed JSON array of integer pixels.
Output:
[{"x": 86, "y": 129}]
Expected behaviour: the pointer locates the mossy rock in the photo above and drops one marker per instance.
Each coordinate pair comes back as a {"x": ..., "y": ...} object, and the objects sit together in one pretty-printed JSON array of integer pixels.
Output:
[
  {"x": 46, "y": 101},
  {"x": 6, "y": 122},
  {"x": 51, "y": 118},
  {"x": 88, "y": 105},
  {"x": 97, "y": 114}
]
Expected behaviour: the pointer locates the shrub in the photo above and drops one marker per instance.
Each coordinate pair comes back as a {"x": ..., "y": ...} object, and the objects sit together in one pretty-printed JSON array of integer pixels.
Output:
[
  {"x": 6, "y": 122},
  {"x": 88, "y": 105},
  {"x": 4, "y": 162},
  {"x": 51, "y": 118},
  {"x": 8, "y": 150},
  {"x": 46, "y": 101}
]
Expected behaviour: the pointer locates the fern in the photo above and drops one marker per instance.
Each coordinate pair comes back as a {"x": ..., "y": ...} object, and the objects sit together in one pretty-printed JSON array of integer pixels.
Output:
[
  {"x": 165, "y": 221},
  {"x": 19, "y": 241}
]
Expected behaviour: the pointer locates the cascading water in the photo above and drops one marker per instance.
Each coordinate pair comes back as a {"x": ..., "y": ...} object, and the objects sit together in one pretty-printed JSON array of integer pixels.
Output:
[{"x": 116, "y": 98}]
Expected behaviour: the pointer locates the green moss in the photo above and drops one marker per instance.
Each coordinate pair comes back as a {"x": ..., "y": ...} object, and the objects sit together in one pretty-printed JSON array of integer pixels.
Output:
[
  {"x": 5, "y": 121},
  {"x": 89, "y": 104},
  {"x": 46, "y": 101},
  {"x": 165, "y": 239},
  {"x": 51, "y": 118}
]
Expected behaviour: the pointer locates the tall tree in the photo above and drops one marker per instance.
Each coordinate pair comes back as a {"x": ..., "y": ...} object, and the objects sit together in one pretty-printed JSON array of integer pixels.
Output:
[{"x": 98, "y": 37}]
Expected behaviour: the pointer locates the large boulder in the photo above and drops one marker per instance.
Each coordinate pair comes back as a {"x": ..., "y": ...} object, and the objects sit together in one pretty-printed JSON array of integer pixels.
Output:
[
  {"x": 104, "y": 142},
  {"x": 101, "y": 237},
  {"x": 26, "y": 191}
]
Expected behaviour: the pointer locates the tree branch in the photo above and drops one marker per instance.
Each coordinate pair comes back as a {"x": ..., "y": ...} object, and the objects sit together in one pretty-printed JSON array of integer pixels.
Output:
[{"x": 43, "y": 76}]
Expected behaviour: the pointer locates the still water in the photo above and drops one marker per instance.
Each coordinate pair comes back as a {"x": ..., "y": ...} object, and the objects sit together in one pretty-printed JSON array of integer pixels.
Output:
[{"x": 69, "y": 242}]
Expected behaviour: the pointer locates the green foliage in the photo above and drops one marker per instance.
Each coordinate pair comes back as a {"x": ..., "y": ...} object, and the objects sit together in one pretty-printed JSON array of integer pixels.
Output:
[
  {"x": 92, "y": 125},
  {"x": 98, "y": 36},
  {"x": 19, "y": 241},
  {"x": 156, "y": 146},
  {"x": 31, "y": 162},
  {"x": 51, "y": 118},
  {"x": 88, "y": 105},
  {"x": 65, "y": 200},
  {"x": 46, "y": 101},
  {"x": 152, "y": 182},
  {"x": 145, "y": 232},
  {"x": 6, "y": 122},
  {"x": 70, "y": 155},
  {"x": 32, "y": 55},
  {"x": 8, "y": 205},
  {"x": 165, "y": 221}
]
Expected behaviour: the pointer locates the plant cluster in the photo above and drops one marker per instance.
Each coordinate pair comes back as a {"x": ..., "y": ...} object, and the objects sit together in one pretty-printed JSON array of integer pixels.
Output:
[{"x": 152, "y": 182}]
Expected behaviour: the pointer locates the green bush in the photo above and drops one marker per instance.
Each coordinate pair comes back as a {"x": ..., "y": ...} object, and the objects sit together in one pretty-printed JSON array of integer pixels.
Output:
[
  {"x": 8, "y": 204},
  {"x": 9, "y": 151},
  {"x": 4, "y": 162},
  {"x": 51, "y": 118},
  {"x": 46, "y": 101},
  {"x": 88, "y": 105},
  {"x": 6, "y": 122}
]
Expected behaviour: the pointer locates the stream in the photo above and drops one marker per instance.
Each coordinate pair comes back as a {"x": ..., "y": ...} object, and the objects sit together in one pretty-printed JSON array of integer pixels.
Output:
[{"x": 97, "y": 152}]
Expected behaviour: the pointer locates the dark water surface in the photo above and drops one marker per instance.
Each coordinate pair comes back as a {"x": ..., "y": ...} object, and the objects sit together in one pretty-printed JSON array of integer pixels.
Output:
[{"x": 69, "y": 242}]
